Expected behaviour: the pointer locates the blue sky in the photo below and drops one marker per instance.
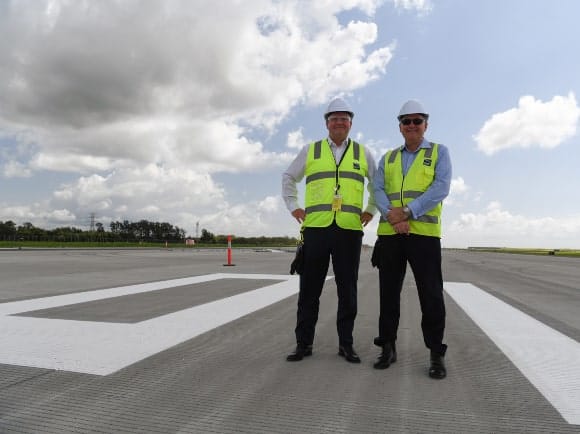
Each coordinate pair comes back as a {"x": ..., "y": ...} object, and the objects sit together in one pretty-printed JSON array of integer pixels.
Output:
[{"x": 188, "y": 112}]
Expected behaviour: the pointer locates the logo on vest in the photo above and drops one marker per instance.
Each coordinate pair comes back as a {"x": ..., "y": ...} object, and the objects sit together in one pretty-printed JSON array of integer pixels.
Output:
[
  {"x": 356, "y": 165},
  {"x": 426, "y": 162}
]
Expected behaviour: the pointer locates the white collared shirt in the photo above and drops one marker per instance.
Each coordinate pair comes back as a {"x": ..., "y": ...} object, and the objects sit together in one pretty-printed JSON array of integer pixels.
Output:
[{"x": 295, "y": 173}]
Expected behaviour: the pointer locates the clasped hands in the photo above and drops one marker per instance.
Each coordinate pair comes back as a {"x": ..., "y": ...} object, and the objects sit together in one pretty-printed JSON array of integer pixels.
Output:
[{"x": 398, "y": 220}]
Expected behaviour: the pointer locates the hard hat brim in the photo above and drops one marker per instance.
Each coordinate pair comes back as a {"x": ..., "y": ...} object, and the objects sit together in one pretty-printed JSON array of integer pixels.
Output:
[{"x": 351, "y": 114}]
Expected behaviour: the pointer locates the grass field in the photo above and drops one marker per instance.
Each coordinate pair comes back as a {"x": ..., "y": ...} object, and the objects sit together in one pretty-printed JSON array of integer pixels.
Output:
[{"x": 521, "y": 251}]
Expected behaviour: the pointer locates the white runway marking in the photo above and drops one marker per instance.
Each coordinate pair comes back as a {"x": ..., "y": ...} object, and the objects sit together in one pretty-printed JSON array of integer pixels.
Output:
[
  {"x": 103, "y": 348},
  {"x": 549, "y": 359}
]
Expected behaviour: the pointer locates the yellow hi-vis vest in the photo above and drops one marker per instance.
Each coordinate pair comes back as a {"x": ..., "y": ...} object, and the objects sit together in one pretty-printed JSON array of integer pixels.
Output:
[
  {"x": 403, "y": 189},
  {"x": 325, "y": 178}
]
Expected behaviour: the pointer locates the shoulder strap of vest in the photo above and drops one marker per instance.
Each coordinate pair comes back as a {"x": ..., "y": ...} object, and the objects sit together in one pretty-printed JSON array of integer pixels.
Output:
[
  {"x": 317, "y": 149},
  {"x": 356, "y": 150},
  {"x": 429, "y": 152},
  {"x": 393, "y": 154}
]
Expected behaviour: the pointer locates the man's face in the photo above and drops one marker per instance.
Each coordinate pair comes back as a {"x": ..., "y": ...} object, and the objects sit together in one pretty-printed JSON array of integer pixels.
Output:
[
  {"x": 338, "y": 125},
  {"x": 413, "y": 127}
]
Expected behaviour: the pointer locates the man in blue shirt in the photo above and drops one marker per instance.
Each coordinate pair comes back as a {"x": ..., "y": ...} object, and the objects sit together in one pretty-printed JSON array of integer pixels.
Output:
[{"x": 410, "y": 185}]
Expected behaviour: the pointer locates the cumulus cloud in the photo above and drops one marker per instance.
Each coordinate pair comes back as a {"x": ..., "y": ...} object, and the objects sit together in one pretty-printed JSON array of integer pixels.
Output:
[
  {"x": 266, "y": 216},
  {"x": 147, "y": 101},
  {"x": 15, "y": 169},
  {"x": 458, "y": 186},
  {"x": 146, "y": 192},
  {"x": 423, "y": 6},
  {"x": 498, "y": 227},
  {"x": 37, "y": 214},
  {"x": 159, "y": 81},
  {"x": 296, "y": 139},
  {"x": 458, "y": 189},
  {"x": 532, "y": 123}
]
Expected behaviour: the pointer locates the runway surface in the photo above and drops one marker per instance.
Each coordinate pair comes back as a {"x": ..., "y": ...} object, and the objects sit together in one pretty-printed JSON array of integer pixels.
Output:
[{"x": 173, "y": 341}]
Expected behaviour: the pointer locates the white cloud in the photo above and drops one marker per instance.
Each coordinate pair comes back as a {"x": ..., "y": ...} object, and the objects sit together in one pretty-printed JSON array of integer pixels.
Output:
[
  {"x": 458, "y": 186},
  {"x": 423, "y": 6},
  {"x": 179, "y": 196},
  {"x": 15, "y": 169},
  {"x": 143, "y": 80},
  {"x": 271, "y": 204},
  {"x": 266, "y": 217},
  {"x": 532, "y": 123},
  {"x": 146, "y": 101},
  {"x": 296, "y": 139},
  {"x": 37, "y": 214},
  {"x": 150, "y": 183},
  {"x": 69, "y": 163},
  {"x": 334, "y": 6},
  {"x": 458, "y": 189},
  {"x": 497, "y": 227}
]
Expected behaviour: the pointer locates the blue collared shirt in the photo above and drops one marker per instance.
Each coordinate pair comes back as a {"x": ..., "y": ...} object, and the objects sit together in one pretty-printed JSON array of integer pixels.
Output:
[{"x": 436, "y": 192}]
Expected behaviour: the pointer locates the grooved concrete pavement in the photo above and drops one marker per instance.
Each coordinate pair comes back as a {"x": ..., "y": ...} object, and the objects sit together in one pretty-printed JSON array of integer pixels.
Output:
[{"x": 235, "y": 378}]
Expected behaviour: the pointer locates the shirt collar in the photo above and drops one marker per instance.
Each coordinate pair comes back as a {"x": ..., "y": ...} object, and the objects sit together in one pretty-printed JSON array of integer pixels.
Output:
[
  {"x": 344, "y": 143},
  {"x": 424, "y": 144}
]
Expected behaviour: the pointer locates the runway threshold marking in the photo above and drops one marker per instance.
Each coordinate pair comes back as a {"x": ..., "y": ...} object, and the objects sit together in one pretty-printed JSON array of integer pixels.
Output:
[
  {"x": 102, "y": 348},
  {"x": 549, "y": 359},
  {"x": 546, "y": 357}
]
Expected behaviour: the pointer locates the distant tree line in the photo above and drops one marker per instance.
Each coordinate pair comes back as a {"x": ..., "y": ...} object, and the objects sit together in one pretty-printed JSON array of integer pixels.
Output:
[
  {"x": 142, "y": 230},
  {"x": 125, "y": 231},
  {"x": 209, "y": 238}
]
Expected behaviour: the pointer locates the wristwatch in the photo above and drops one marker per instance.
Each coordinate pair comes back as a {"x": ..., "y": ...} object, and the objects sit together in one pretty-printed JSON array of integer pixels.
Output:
[{"x": 407, "y": 212}]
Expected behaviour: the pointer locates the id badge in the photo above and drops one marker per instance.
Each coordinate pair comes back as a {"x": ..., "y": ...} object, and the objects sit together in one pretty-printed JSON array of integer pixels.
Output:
[{"x": 336, "y": 202}]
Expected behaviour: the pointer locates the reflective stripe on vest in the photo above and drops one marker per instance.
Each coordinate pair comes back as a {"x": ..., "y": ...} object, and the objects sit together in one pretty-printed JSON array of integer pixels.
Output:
[
  {"x": 322, "y": 177},
  {"x": 402, "y": 190}
]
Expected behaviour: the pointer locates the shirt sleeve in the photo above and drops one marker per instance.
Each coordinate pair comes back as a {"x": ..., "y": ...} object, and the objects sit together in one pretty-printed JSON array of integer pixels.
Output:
[
  {"x": 291, "y": 177},
  {"x": 439, "y": 188},
  {"x": 372, "y": 168},
  {"x": 382, "y": 202}
]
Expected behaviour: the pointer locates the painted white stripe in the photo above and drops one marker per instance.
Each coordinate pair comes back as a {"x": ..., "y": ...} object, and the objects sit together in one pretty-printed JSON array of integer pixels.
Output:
[
  {"x": 548, "y": 358},
  {"x": 100, "y": 294},
  {"x": 103, "y": 348}
]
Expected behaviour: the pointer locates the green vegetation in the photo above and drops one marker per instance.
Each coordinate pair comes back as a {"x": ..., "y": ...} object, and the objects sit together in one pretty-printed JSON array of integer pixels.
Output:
[
  {"x": 142, "y": 234},
  {"x": 289, "y": 242},
  {"x": 83, "y": 244},
  {"x": 125, "y": 231},
  {"x": 522, "y": 251}
]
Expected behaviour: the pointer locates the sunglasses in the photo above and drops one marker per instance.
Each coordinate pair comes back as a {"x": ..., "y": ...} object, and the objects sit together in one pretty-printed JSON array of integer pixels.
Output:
[{"x": 416, "y": 121}]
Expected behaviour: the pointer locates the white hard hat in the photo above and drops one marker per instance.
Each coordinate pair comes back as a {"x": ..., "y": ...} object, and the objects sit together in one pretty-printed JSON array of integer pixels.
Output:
[
  {"x": 338, "y": 105},
  {"x": 412, "y": 107}
]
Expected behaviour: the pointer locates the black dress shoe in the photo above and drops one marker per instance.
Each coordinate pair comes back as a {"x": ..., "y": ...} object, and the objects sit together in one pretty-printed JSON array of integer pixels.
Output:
[
  {"x": 379, "y": 342},
  {"x": 348, "y": 352},
  {"x": 300, "y": 352},
  {"x": 437, "y": 369},
  {"x": 388, "y": 356}
]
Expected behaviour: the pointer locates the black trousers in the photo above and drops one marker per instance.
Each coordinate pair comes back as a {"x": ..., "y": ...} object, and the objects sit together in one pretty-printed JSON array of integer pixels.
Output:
[
  {"x": 424, "y": 256},
  {"x": 320, "y": 245}
]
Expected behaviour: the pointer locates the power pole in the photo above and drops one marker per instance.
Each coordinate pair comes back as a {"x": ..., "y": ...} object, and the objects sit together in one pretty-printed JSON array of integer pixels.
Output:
[
  {"x": 92, "y": 220},
  {"x": 197, "y": 231}
]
